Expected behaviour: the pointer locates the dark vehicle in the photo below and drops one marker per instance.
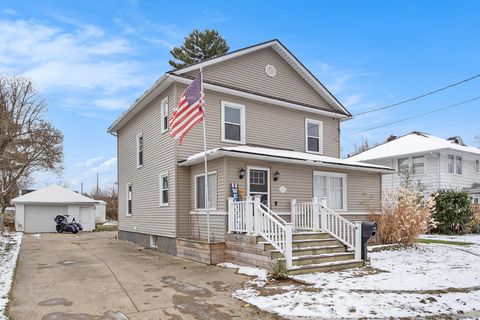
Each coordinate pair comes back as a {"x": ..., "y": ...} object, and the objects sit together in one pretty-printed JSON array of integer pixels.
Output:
[{"x": 64, "y": 225}]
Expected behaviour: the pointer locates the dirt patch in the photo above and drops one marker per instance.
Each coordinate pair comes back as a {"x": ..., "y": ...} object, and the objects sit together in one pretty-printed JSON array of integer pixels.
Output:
[
  {"x": 109, "y": 315},
  {"x": 186, "y": 288},
  {"x": 199, "y": 309},
  {"x": 172, "y": 316},
  {"x": 153, "y": 290},
  {"x": 55, "y": 302},
  {"x": 218, "y": 285}
]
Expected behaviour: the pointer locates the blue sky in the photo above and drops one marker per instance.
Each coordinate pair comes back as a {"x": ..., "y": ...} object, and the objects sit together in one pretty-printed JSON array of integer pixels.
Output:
[{"x": 92, "y": 59}]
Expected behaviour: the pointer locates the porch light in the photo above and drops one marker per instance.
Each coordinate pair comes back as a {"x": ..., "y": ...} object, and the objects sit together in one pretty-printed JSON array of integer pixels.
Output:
[
  {"x": 241, "y": 173},
  {"x": 276, "y": 175}
]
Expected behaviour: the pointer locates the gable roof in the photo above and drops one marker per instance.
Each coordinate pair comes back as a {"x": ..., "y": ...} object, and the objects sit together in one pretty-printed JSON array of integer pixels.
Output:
[
  {"x": 412, "y": 143},
  {"x": 178, "y": 75},
  {"x": 54, "y": 194}
]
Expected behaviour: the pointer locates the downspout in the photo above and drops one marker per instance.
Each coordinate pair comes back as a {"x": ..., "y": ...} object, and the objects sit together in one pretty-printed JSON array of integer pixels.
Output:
[{"x": 436, "y": 155}]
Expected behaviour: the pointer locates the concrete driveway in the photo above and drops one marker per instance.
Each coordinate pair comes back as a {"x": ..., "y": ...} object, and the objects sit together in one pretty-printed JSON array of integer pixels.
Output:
[{"x": 92, "y": 276}]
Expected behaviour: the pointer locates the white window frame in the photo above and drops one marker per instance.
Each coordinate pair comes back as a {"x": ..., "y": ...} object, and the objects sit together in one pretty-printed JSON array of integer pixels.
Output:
[
  {"x": 137, "y": 139},
  {"x": 163, "y": 115},
  {"x": 328, "y": 175},
  {"x": 216, "y": 191},
  {"x": 241, "y": 107},
  {"x": 320, "y": 137},
  {"x": 448, "y": 160},
  {"x": 160, "y": 180},
  {"x": 424, "y": 165},
  {"x": 128, "y": 196},
  {"x": 476, "y": 166},
  {"x": 461, "y": 165}
]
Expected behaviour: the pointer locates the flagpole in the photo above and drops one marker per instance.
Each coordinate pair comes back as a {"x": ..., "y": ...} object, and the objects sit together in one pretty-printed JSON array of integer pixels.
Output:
[{"x": 205, "y": 161}]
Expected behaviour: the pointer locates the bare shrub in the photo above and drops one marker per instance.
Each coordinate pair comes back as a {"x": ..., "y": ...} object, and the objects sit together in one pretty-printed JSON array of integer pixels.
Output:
[
  {"x": 278, "y": 270},
  {"x": 405, "y": 216},
  {"x": 474, "y": 225},
  {"x": 109, "y": 194}
]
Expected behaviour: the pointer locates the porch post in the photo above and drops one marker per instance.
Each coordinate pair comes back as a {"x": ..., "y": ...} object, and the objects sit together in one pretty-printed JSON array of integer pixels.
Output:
[
  {"x": 323, "y": 214},
  {"x": 316, "y": 215},
  {"x": 249, "y": 215},
  {"x": 231, "y": 215},
  {"x": 358, "y": 240},
  {"x": 292, "y": 212},
  {"x": 256, "y": 205},
  {"x": 288, "y": 245}
]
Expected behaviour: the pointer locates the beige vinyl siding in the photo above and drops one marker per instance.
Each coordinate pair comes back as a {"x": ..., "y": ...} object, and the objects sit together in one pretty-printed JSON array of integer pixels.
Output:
[
  {"x": 266, "y": 125},
  {"x": 184, "y": 196},
  {"x": 247, "y": 73},
  {"x": 147, "y": 216},
  {"x": 218, "y": 218},
  {"x": 363, "y": 188}
]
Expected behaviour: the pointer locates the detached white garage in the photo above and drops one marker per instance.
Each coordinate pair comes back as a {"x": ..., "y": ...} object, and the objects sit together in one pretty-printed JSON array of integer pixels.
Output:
[{"x": 35, "y": 211}]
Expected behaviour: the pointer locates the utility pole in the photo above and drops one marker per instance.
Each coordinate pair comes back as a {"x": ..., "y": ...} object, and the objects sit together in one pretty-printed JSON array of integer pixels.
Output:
[
  {"x": 81, "y": 188},
  {"x": 97, "y": 183}
]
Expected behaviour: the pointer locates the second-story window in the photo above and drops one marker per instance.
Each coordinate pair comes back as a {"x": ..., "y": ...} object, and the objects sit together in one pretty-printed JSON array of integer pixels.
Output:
[
  {"x": 233, "y": 122},
  {"x": 139, "y": 150},
  {"x": 164, "y": 114},
  {"x": 313, "y": 136}
]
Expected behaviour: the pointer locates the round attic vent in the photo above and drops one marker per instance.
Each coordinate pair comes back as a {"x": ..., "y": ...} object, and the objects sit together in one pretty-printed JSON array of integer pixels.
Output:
[{"x": 270, "y": 70}]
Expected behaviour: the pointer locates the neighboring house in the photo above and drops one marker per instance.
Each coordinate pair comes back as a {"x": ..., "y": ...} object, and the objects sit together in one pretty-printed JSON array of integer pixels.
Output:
[
  {"x": 35, "y": 211},
  {"x": 438, "y": 163},
  {"x": 273, "y": 130}
]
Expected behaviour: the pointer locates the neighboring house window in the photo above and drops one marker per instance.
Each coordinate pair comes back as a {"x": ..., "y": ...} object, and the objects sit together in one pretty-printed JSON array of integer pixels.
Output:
[
  {"x": 458, "y": 165},
  {"x": 451, "y": 163},
  {"x": 140, "y": 150},
  {"x": 403, "y": 164},
  {"x": 477, "y": 166},
  {"x": 200, "y": 191},
  {"x": 129, "y": 199},
  {"x": 164, "y": 114},
  {"x": 418, "y": 165},
  {"x": 164, "y": 189},
  {"x": 233, "y": 122},
  {"x": 313, "y": 136},
  {"x": 332, "y": 186}
]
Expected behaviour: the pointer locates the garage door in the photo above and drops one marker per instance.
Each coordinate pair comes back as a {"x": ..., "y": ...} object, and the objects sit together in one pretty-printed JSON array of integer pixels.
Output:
[
  {"x": 87, "y": 218},
  {"x": 40, "y": 218}
]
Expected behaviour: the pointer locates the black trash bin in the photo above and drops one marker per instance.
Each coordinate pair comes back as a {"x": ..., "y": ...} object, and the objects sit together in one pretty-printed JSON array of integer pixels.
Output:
[{"x": 369, "y": 229}]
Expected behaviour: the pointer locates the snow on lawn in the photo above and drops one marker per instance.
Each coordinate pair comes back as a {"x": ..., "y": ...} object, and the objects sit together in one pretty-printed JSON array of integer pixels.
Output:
[
  {"x": 261, "y": 274},
  {"x": 9, "y": 247},
  {"x": 425, "y": 280}
]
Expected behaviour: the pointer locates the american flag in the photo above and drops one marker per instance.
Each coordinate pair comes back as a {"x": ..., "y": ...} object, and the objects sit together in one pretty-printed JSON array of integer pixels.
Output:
[{"x": 189, "y": 111}]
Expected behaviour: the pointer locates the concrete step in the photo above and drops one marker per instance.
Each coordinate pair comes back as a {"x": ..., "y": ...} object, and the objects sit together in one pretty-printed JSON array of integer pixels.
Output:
[
  {"x": 303, "y": 236},
  {"x": 326, "y": 266},
  {"x": 321, "y": 258},
  {"x": 310, "y": 251},
  {"x": 304, "y": 243}
]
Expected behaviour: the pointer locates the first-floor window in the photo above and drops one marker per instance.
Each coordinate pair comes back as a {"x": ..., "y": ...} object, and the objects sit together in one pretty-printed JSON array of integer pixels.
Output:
[
  {"x": 200, "y": 191},
  {"x": 332, "y": 186},
  {"x": 451, "y": 163},
  {"x": 477, "y": 166},
  {"x": 164, "y": 189},
  {"x": 418, "y": 165},
  {"x": 129, "y": 199},
  {"x": 403, "y": 164},
  {"x": 458, "y": 165}
]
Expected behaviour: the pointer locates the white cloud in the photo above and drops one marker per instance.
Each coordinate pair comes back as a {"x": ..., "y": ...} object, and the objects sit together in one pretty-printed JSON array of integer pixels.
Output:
[
  {"x": 90, "y": 162},
  {"x": 10, "y": 11}
]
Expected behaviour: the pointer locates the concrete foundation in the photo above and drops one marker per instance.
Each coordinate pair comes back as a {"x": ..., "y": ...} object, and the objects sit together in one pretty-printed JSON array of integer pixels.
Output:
[{"x": 162, "y": 244}]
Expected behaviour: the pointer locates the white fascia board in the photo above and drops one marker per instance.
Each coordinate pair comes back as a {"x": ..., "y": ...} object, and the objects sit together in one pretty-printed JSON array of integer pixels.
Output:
[
  {"x": 222, "y": 153},
  {"x": 149, "y": 95},
  {"x": 256, "y": 97}
]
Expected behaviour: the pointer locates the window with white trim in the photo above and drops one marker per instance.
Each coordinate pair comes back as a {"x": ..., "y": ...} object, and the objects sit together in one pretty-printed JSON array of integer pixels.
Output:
[
  {"x": 313, "y": 136},
  {"x": 418, "y": 165},
  {"x": 332, "y": 186},
  {"x": 164, "y": 114},
  {"x": 403, "y": 164},
  {"x": 129, "y": 199},
  {"x": 200, "y": 191},
  {"x": 477, "y": 166},
  {"x": 450, "y": 163},
  {"x": 458, "y": 165},
  {"x": 164, "y": 189},
  {"x": 139, "y": 150},
  {"x": 233, "y": 122}
]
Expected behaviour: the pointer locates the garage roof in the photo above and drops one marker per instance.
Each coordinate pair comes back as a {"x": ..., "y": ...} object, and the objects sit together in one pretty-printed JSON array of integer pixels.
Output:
[{"x": 54, "y": 194}]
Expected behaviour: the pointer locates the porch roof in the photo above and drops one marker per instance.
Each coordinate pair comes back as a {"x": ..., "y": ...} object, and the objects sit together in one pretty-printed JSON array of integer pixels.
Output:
[{"x": 279, "y": 155}]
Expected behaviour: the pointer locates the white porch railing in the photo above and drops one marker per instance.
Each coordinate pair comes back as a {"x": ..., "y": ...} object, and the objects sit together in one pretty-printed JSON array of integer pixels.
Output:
[
  {"x": 316, "y": 216},
  {"x": 248, "y": 216}
]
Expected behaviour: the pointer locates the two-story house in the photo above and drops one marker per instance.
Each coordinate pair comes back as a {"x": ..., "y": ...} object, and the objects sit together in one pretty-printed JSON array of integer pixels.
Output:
[
  {"x": 436, "y": 162},
  {"x": 273, "y": 131}
]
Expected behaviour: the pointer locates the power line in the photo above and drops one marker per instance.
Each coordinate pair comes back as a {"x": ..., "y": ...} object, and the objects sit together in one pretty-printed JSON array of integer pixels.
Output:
[
  {"x": 418, "y": 97},
  {"x": 420, "y": 114}
]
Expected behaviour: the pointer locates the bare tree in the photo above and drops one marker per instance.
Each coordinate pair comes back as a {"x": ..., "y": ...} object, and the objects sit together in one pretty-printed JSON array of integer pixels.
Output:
[
  {"x": 28, "y": 143},
  {"x": 110, "y": 196},
  {"x": 359, "y": 148}
]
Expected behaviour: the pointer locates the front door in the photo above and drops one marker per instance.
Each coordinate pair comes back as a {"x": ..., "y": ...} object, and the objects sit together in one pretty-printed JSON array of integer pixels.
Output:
[{"x": 258, "y": 183}]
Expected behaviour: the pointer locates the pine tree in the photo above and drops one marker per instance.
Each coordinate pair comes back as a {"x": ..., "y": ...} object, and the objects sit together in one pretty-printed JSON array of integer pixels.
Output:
[{"x": 198, "y": 46}]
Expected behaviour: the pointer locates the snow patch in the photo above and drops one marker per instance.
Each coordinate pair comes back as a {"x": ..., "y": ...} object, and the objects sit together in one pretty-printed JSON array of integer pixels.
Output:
[
  {"x": 9, "y": 248},
  {"x": 249, "y": 271}
]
